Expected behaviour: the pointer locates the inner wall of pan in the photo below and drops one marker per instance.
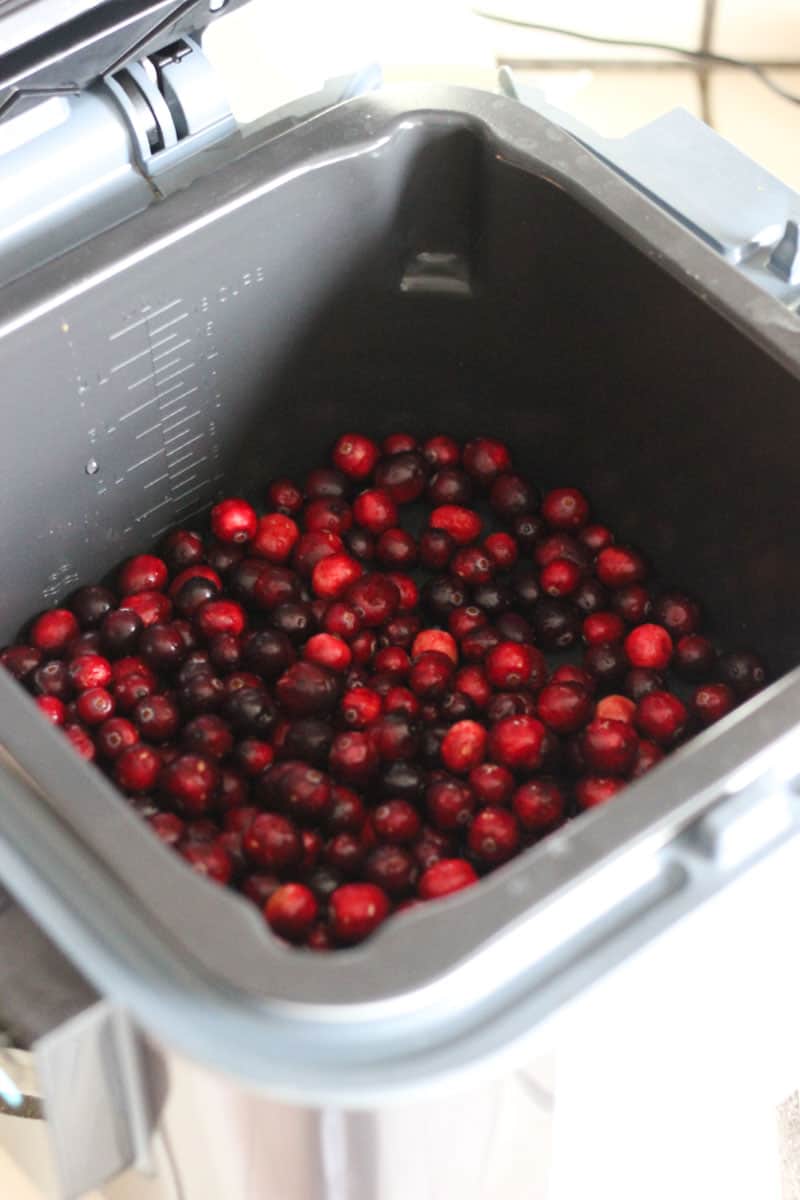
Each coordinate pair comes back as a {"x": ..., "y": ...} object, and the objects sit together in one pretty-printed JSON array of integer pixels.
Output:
[{"x": 431, "y": 286}]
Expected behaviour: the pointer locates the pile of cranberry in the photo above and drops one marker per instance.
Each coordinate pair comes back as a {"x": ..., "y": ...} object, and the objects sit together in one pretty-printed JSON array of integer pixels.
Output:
[{"x": 342, "y": 719}]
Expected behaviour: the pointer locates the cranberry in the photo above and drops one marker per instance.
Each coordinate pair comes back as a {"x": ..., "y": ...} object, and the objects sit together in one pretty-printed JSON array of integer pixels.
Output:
[
  {"x": 284, "y": 496},
  {"x": 258, "y": 886},
  {"x": 502, "y": 551},
  {"x": 89, "y": 671},
  {"x": 360, "y": 707},
  {"x": 450, "y": 803},
  {"x": 491, "y": 784},
  {"x": 162, "y": 647},
  {"x": 442, "y": 594},
  {"x": 462, "y": 524},
  {"x": 331, "y": 515},
  {"x": 516, "y": 742},
  {"x": 596, "y": 537},
  {"x": 250, "y": 711},
  {"x": 661, "y": 717},
  {"x": 233, "y": 520},
  {"x": 152, "y": 607},
  {"x": 131, "y": 690},
  {"x": 201, "y": 693},
  {"x": 484, "y": 459},
  {"x": 464, "y": 747},
  {"x": 137, "y": 767},
  {"x": 375, "y": 598},
  {"x": 444, "y": 877},
  {"x": 694, "y": 657},
  {"x": 680, "y": 614},
  {"x": 320, "y": 938},
  {"x": 91, "y": 604},
  {"x": 609, "y": 747},
  {"x": 54, "y": 630},
  {"x": 360, "y": 544},
  {"x": 275, "y": 537},
  {"x": 527, "y": 528},
  {"x": 232, "y": 790},
  {"x": 252, "y": 756},
  {"x": 742, "y": 671},
  {"x": 306, "y": 689},
  {"x": 620, "y": 566},
  {"x": 399, "y": 443},
  {"x": 557, "y": 623},
  {"x": 441, "y": 451},
  {"x": 345, "y": 852},
  {"x": 403, "y": 476},
  {"x": 347, "y": 813},
  {"x": 402, "y": 630},
  {"x": 590, "y": 597},
  {"x": 53, "y": 709},
  {"x": 341, "y": 620},
  {"x": 641, "y": 681},
  {"x": 81, "y": 742},
  {"x": 208, "y": 735},
  {"x": 304, "y": 793},
  {"x": 562, "y": 545},
  {"x": 396, "y": 822},
  {"x": 569, "y": 673},
  {"x": 168, "y": 827},
  {"x": 436, "y": 548},
  {"x": 511, "y": 665},
  {"x": 431, "y": 674},
  {"x": 510, "y": 704},
  {"x": 632, "y": 603},
  {"x": 593, "y": 790},
  {"x": 450, "y": 485},
  {"x": 333, "y": 575},
  {"x": 94, "y": 706},
  {"x": 526, "y": 589},
  {"x": 363, "y": 647},
  {"x": 560, "y": 577},
  {"x": 393, "y": 869},
  {"x": 291, "y": 911},
  {"x": 472, "y": 682},
  {"x": 21, "y": 661},
  {"x": 393, "y": 661},
  {"x": 115, "y": 735},
  {"x": 563, "y": 707},
  {"x": 565, "y": 508},
  {"x": 602, "y": 627},
  {"x": 143, "y": 573},
  {"x": 375, "y": 510},
  {"x": 223, "y": 557},
  {"x": 182, "y": 548},
  {"x": 355, "y": 455},
  {"x": 493, "y": 836},
  {"x": 326, "y": 481},
  {"x": 239, "y": 819},
  {"x": 356, "y": 910},
  {"x": 616, "y": 708},
  {"x": 712, "y": 701},
  {"x": 120, "y": 631},
  {"x": 194, "y": 593},
  {"x": 472, "y": 565},
  {"x": 199, "y": 571},
  {"x": 268, "y": 652},
  {"x": 353, "y": 758},
  {"x": 210, "y": 860},
  {"x": 401, "y": 700},
  {"x": 648, "y": 755},
  {"x": 189, "y": 782},
  {"x": 539, "y": 805},
  {"x": 272, "y": 841},
  {"x": 607, "y": 664},
  {"x": 649, "y": 646}
]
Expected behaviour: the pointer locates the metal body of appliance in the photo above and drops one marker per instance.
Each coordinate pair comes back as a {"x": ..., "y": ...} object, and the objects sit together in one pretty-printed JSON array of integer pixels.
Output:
[{"x": 439, "y": 259}]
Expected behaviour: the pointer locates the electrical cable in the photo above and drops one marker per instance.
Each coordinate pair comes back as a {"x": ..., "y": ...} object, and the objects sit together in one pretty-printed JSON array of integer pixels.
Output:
[{"x": 699, "y": 56}]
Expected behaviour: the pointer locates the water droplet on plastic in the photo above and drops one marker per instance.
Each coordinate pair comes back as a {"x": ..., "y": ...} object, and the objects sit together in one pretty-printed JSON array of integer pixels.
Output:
[{"x": 92, "y": 466}]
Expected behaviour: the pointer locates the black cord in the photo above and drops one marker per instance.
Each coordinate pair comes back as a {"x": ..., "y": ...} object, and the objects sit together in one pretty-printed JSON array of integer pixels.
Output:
[{"x": 700, "y": 56}]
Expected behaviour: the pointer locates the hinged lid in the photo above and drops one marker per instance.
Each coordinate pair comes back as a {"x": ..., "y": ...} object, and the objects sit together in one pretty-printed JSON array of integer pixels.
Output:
[{"x": 61, "y": 47}]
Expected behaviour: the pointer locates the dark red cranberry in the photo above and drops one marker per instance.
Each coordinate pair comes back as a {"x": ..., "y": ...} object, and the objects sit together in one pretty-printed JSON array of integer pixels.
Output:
[
  {"x": 272, "y": 841},
  {"x": 511, "y": 496},
  {"x": 119, "y": 633},
  {"x": 304, "y": 793},
  {"x": 239, "y": 818},
  {"x": 712, "y": 701},
  {"x": 632, "y": 603},
  {"x": 53, "y": 679},
  {"x": 596, "y": 537},
  {"x": 210, "y": 860},
  {"x": 493, "y": 597},
  {"x": 305, "y": 690},
  {"x": 661, "y": 717},
  {"x": 157, "y": 718},
  {"x": 363, "y": 647},
  {"x": 284, "y": 496},
  {"x": 360, "y": 544},
  {"x": 242, "y": 579},
  {"x": 525, "y": 588},
  {"x": 450, "y": 804},
  {"x": 399, "y": 443},
  {"x": 431, "y": 674},
  {"x": 375, "y": 598},
  {"x": 291, "y": 911},
  {"x": 450, "y": 485},
  {"x": 91, "y": 604},
  {"x": 276, "y": 585},
  {"x": 517, "y": 743},
  {"x": 94, "y": 706},
  {"x": 401, "y": 630},
  {"x": 442, "y": 594},
  {"x": 743, "y": 671},
  {"x": 85, "y": 643},
  {"x": 609, "y": 747},
  {"x": 641, "y": 681},
  {"x": 590, "y": 597},
  {"x": 268, "y": 652},
  {"x": 115, "y": 735},
  {"x": 182, "y": 548},
  {"x": 21, "y": 661},
  {"x": 436, "y": 548},
  {"x": 594, "y": 790},
  {"x": 252, "y": 756},
  {"x": 510, "y": 704},
  {"x": 258, "y": 886},
  {"x": 189, "y": 781},
  {"x": 162, "y": 648},
  {"x": 564, "y": 707},
  {"x": 403, "y": 476},
  {"x": 345, "y": 852},
  {"x": 310, "y": 739},
  {"x": 620, "y": 566},
  {"x": 201, "y": 693},
  {"x": 208, "y": 735},
  {"x": 444, "y": 877},
  {"x": 678, "y": 613},
  {"x": 131, "y": 690},
  {"x": 393, "y": 869},
  {"x": 353, "y": 758},
  {"x": 356, "y": 910},
  {"x": 143, "y": 573},
  {"x": 493, "y": 836},
  {"x": 332, "y": 515},
  {"x": 455, "y": 706},
  {"x": 565, "y": 508},
  {"x": 607, "y": 663},
  {"x": 199, "y": 571},
  {"x": 232, "y": 790},
  {"x": 396, "y": 549},
  {"x": 557, "y": 623},
  {"x": 136, "y": 768},
  {"x": 396, "y": 821},
  {"x": 394, "y": 737},
  {"x": 250, "y": 711},
  {"x": 562, "y": 545},
  {"x": 527, "y": 529},
  {"x": 441, "y": 451},
  {"x": 326, "y": 482},
  {"x": 347, "y": 813},
  {"x": 539, "y": 805},
  {"x": 224, "y": 556},
  {"x": 694, "y": 657},
  {"x": 54, "y": 630},
  {"x": 193, "y": 594},
  {"x": 491, "y": 784},
  {"x": 168, "y": 827},
  {"x": 484, "y": 459},
  {"x": 295, "y": 619},
  {"x": 403, "y": 779},
  {"x": 648, "y": 755}
]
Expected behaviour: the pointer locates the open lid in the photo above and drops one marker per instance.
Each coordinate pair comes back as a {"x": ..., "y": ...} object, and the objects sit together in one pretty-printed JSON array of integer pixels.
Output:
[{"x": 61, "y": 47}]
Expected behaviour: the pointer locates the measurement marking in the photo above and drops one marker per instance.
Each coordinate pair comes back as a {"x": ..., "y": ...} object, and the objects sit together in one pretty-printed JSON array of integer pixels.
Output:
[
  {"x": 180, "y": 460},
  {"x": 153, "y": 482},
  {"x": 177, "y": 449},
  {"x": 169, "y": 324},
  {"x": 183, "y": 420},
  {"x": 172, "y": 349},
  {"x": 175, "y": 374},
  {"x": 189, "y": 392},
  {"x": 169, "y": 416},
  {"x": 139, "y": 382},
  {"x": 184, "y": 483},
  {"x": 150, "y": 429},
  {"x": 166, "y": 391},
  {"x": 121, "y": 366},
  {"x": 156, "y": 312},
  {"x": 166, "y": 366},
  {"x": 203, "y": 483},
  {"x": 112, "y": 337},
  {"x": 163, "y": 341},
  {"x": 155, "y": 508},
  {"x": 195, "y": 463},
  {"x": 213, "y": 354},
  {"x": 175, "y": 399},
  {"x": 149, "y": 458},
  {"x": 138, "y": 409},
  {"x": 202, "y": 508}
]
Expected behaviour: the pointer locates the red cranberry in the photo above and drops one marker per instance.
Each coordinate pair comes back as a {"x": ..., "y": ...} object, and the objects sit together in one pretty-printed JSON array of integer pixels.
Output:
[
  {"x": 152, "y": 608},
  {"x": 569, "y": 673},
  {"x": 431, "y": 674},
  {"x": 81, "y": 742},
  {"x": 557, "y": 623},
  {"x": 511, "y": 665},
  {"x": 168, "y": 827},
  {"x": 632, "y": 603},
  {"x": 209, "y": 860},
  {"x": 94, "y": 706},
  {"x": 399, "y": 443},
  {"x": 332, "y": 515},
  {"x": 462, "y": 524},
  {"x": 143, "y": 573},
  {"x": 220, "y": 616},
  {"x": 325, "y": 481},
  {"x": 596, "y": 537},
  {"x": 602, "y": 627},
  {"x": 208, "y": 735},
  {"x": 353, "y": 758},
  {"x": 539, "y": 805},
  {"x": 284, "y": 496},
  {"x": 347, "y": 813},
  {"x": 493, "y": 836},
  {"x": 464, "y": 747},
  {"x": 393, "y": 869},
  {"x": 189, "y": 782},
  {"x": 375, "y": 598},
  {"x": 450, "y": 485},
  {"x": 564, "y": 707},
  {"x": 115, "y": 735},
  {"x": 272, "y": 841},
  {"x": 593, "y": 790},
  {"x": 472, "y": 565},
  {"x": 472, "y": 682},
  {"x": 355, "y": 455},
  {"x": 233, "y": 520},
  {"x": 397, "y": 822},
  {"x": 484, "y": 459},
  {"x": 53, "y": 709},
  {"x": 607, "y": 664},
  {"x": 444, "y": 877},
  {"x": 502, "y": 550},
  {"x": 136, "y": 768},
  {"x": 648, "y": 755},
  {"x": 401, "y": 700},
  {"x": 403, "y": 476},
  {"x": 363, "y": 647},
  {"x": 304, "y": 793},
  {"x": 712, "y": 701},
  {"x": 616, "y": 708},
  {"x": 201, "y": 693},
  {"x": 21, "y": 661},
  {"x": 91, "y": 604},
  {"x": 291, "y": 911},
  {"x": 275, "y": 585},
  {"x": 649, "y": 646},
  {"x": 356, "y": 911},
  {"x": 562, "y": 545},
  {"x": 450, "y": 804},
  {"x": 441, "y": 451},
  {"x": 239, "y": 819},
  {"x": 742, "y": 671},
  {"x": 342, "y": 621},
  {"x": 325, "y": 650},
  {"x": 182, "y": 548},
  {"x": 565, "y": 508},
  {"x": 694, "y": 657},
  {"x": 129, "y": 692},
  {"x": 392, "y": 660},
  {"x": 620, "y": 566},
  {"x": 360, "y": 707},
  {"x": 491, "y": 784},
  {"x": 661, "y": 717},
  {"x": 345, "y": 852},
  {"x": 258, "y": 886},
  {"x": 609, "y": 747},
  {"x": 275, "y": 537},
  {"x": 232, "y": 790},
  {"x": 305, "y": 689},
  {"x": 252, "y": 756},
  {"x": 436, "y": 548},
  {"x": 375, "y": 510},
  {"x": 89, "y": 671},
  {"x": 54, "y": 630},
  {"x": 516, "y": 743}
]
